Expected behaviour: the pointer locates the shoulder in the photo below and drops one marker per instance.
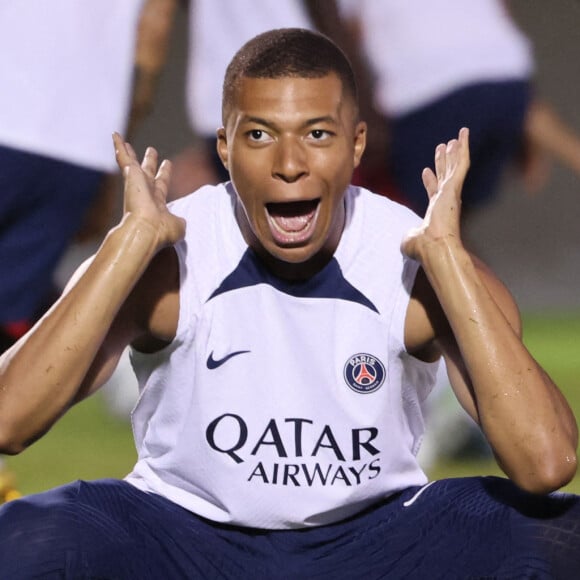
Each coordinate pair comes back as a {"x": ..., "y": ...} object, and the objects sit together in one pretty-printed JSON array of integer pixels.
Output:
[
  {"x": 372, "y": 211},
  {"x": 207, "y": 195},
  {"x": 204, "y": 209},
  {"x": 361, "y": 196}
]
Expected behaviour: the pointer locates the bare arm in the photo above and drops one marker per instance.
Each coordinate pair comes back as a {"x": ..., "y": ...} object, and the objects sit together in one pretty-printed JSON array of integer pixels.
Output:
[
  {"x": 547, "y": 136},
  {"x": 150, "y": 55},
  {"x": 348, "y": 35},
  {"x": 476, "y": 325},
  {"x": 75, "y": 346},
  {"x": 153, "y": 41}
]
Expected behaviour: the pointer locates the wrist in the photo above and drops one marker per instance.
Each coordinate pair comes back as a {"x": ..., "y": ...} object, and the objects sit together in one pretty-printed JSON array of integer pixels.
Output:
[
  {"x": 445, "y": 262},
  {"x": 433, "y": 252},
  {"x": 136, "y": 235}
]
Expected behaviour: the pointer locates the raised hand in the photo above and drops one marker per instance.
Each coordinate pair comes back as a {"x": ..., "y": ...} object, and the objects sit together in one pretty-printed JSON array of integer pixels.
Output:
[
  {"x": 145, "y": 191},
  {"x": 443, "y": 186}
]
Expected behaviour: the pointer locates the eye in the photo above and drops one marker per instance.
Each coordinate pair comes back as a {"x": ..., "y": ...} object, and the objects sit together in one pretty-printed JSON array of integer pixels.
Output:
[
  {"x": 258, "y": 136},
  {"x": 319, "y": 134}
]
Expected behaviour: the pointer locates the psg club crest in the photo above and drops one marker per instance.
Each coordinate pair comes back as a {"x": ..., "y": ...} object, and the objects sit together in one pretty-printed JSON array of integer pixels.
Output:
[{"x": 364, "y": 373}]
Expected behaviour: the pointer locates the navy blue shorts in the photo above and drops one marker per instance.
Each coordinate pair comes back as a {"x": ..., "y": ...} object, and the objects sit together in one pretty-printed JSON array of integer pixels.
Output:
[
  {"x": 494, "y": 114},
  {"x": 42, "y": 205},
  {"x": 450, "y": 529}
]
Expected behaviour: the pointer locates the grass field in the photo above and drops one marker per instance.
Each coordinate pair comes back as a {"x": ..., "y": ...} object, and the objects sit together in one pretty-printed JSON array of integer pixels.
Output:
[{"x": 88, "y": 443}]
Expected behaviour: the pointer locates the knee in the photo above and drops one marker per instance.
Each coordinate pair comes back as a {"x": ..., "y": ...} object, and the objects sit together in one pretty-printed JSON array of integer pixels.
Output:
[{"x": 34, "y": 530}]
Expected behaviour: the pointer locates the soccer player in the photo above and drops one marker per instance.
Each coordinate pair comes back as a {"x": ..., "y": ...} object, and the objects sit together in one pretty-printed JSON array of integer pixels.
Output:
[{"x": 286, "y": 328}]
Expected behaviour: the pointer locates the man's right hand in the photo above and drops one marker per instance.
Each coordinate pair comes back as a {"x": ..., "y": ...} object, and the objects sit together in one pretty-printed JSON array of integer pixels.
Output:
[{"x": 145, "y": 191}]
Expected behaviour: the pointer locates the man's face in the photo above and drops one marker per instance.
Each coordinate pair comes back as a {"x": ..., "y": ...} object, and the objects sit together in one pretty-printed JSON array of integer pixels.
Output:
[{"x": 291, "y": 145}]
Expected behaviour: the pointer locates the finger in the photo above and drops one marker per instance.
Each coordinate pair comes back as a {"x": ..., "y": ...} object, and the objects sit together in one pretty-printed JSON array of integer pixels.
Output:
[
  {"x": 180, "y": 226},
  {"x": 457, "y": 154},
  {"x": 464, "y": 144},
  {"x": 451, "y": 151},
  {"x": 124, "y": 153},
  {"x": 117, "y": 140},
  {"x": 133, "y": 180},
  {"x": 131, "y": 151},
  {"x": 149, "y": 163},
  {"x": 440, "y": 163},
  {"x": 429, "y": 182},
  {"x": 163, "y": 177}
]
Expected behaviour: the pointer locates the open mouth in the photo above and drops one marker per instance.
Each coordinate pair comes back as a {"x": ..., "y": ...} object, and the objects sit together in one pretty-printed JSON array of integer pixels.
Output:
[{"x": 292, "y": 222}]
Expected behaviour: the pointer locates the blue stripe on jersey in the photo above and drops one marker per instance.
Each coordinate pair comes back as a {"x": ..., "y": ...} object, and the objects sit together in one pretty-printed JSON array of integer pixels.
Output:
[{"x": 328, "y": 283}]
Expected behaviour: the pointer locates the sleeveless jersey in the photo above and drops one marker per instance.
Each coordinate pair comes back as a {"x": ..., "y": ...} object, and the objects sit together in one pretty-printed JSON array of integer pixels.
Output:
[{"x": 283, "y": 405}]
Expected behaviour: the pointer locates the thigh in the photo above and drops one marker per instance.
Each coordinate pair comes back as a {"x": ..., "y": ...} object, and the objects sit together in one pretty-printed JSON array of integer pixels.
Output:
[
  {"x": 67, "y": 533},
  {"x": 109, "y": 529},
  {"x": 43, "y": 203},
  {"x": 496, "y": 136},
  {"x": 422, "y": 533},
  {"x": 494, "y": 113},
  {"x": 451, "y": 530}
]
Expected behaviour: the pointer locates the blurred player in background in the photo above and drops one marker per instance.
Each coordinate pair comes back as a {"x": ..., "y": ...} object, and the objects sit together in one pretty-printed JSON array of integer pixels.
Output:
[{"x": 73, "y": 73}]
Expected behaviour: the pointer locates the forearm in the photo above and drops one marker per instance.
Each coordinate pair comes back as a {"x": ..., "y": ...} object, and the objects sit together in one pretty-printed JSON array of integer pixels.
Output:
[
  {"x": 548, "y": 131},
  {"x": 153, "y": 41},
  {"x": 524, "y": 416},
  {"x": 42, "y": 374}
]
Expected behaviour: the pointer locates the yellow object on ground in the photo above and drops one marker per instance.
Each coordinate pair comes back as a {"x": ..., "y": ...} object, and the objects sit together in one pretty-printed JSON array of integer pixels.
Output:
[{"x": 8, "y": 490}]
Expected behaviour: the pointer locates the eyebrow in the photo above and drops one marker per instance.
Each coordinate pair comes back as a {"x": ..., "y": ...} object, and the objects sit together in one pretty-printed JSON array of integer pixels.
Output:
[{"x": 308, "y": 123}]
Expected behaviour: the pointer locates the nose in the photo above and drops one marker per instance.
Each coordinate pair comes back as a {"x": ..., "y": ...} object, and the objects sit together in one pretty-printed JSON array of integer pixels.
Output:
[{"x": 290, "y": 163}]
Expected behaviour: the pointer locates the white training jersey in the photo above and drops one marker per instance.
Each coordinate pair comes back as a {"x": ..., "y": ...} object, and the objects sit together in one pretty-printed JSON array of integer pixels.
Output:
[{"x": 284, "y": 405}]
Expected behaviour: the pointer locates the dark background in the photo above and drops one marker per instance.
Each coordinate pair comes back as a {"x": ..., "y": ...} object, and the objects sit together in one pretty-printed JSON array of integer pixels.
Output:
[{"x": 533, "y": 242}]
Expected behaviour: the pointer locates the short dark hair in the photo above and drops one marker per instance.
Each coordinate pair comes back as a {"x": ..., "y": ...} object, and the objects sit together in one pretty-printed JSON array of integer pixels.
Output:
[{"x": 287, "y": 52}]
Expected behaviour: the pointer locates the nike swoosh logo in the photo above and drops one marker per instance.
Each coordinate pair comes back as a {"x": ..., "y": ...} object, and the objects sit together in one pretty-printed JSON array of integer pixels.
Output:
[
  {"x": 411, "y": 501},
  {"x": 212, "y": 363}
]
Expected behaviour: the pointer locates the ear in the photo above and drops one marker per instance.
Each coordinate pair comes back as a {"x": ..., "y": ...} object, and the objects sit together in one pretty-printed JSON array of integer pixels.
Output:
[
  {"x": 222, "y": 146},
  {"x": 360, "y": 142}
]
